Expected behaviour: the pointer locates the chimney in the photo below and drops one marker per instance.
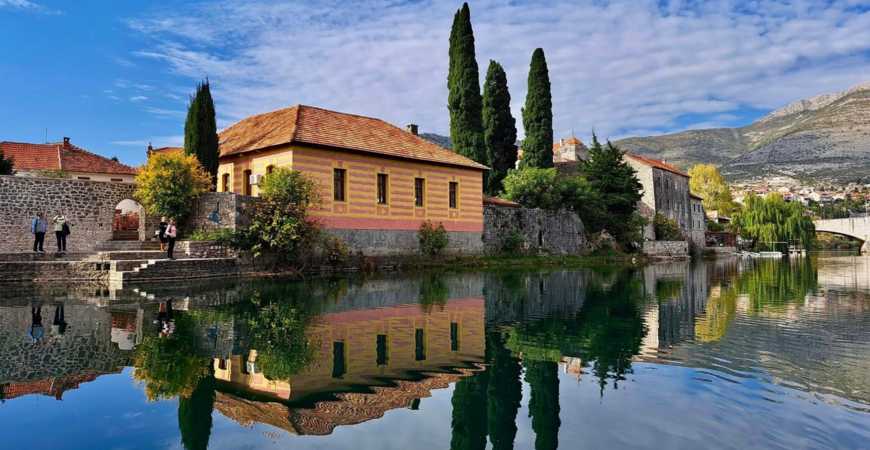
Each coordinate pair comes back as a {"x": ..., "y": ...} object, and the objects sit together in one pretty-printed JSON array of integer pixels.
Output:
[
  {"x": 412, "y": 128},
  {"x": 150, "y": 149},
  {"x": 66, "y": 143}
]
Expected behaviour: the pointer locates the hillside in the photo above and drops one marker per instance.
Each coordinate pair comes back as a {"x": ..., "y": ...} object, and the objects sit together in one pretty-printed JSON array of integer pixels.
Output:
[{"x": 824, "y": 138}]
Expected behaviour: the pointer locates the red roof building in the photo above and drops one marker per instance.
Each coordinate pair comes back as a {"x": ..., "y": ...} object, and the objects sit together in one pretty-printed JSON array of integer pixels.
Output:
[{"x": 65, "y": 158}]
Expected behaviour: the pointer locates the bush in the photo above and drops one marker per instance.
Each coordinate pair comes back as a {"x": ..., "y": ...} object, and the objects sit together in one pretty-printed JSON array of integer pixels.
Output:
[
  {"x": 513, "y": 243},
  {"x": 279, "y": 224},
  {"x": 433, "y": 240},
  {"x": 666, "y": 229},
  {"x": 222, "y": 236},
  {"x": 169, "y": 183},
  {"x": 533, "y": 187}
]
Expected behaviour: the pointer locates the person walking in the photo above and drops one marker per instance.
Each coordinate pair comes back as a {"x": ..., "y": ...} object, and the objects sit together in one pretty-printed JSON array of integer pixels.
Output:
[
  {"x": 161, "y": 233},
  {"x": 38, "y": 226},
  {"x": 61, "y": 230},
  {"x": 171, "y": 233}
]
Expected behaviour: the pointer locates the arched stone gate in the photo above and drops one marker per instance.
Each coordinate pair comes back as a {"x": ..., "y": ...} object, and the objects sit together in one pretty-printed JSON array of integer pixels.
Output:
[{"x": 88, "y": 205}]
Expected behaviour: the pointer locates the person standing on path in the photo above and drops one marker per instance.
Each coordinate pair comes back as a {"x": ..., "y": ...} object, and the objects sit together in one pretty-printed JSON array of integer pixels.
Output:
[
  {"x": 161, "y": 233},
  {"x": 171, "y": 233},
  {"x": 38, "y": 226},
  {"x": 61, "y": 230}
]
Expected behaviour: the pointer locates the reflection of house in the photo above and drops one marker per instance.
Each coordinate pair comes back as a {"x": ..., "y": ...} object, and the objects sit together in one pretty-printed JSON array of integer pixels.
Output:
[
  {"x": 51, "y": 387},
  {"x": 371, "y": 360},
  {"x": 127, "y": 328},
  {"x": 65, "y": 158},
  {"x": 374, "y": 178}
]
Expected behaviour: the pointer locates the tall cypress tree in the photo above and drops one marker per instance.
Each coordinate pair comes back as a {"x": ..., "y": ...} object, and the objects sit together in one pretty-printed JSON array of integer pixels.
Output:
[
  {"x": 469, "y": 413},
  {"x": 504, "y": 393},
  {"x": 463, "y": 84},
  {"x": 200, "y": 130},
  {"x": 499, "y": 127},
  {"x": 194, "y": 415},
  {"x": 543, "y": 378},
  {"x": 538, "y": 115}
]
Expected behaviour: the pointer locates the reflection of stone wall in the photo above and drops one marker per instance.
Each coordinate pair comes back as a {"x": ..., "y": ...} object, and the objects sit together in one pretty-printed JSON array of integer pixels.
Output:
[
  {"x": 85, "y": 347},
  {"x": 88, "y": 205},
  {"x": 666, "y": 249},
  {"x": 542, "y": 231}
]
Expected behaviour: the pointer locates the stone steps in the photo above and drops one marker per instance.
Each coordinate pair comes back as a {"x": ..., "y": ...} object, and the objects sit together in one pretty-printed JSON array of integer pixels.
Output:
[
  {"x": 116, "y": 246},
  {"x": 124, "y": 255},
  {"x": 178, "y": 269}
]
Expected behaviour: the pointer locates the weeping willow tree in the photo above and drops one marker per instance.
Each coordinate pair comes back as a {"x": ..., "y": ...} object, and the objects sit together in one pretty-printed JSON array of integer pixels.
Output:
[{"x": 771, "y": 219}]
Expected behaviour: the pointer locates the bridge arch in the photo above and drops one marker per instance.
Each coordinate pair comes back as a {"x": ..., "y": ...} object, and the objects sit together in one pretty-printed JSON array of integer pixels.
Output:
[{"x": 854, "y": 227}]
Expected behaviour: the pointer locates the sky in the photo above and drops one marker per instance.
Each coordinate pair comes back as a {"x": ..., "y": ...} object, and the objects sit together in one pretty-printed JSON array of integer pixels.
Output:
[{"x": 114, "y": 76}]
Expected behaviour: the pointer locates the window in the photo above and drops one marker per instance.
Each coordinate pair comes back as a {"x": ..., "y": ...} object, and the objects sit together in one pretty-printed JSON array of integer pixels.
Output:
[
  {"x": 454, "y": 337},
  {"x": 84, "y": 178},
  {"x": 382, "y": 189},
  {"x": 419, "y": 345},
  {"x": 246, "y": 179},
  {"x": 116, "y": 180},
  {"x": 454, "y": 189},
  {"x": 419, "y": 188},
  {"x": 225, "y": 182},
  {"x": 338, "y": 184},
  {"x": 382, "y": 357},
  {"x": 339, "y": 368},
  {"x": 269, "y": 169}
]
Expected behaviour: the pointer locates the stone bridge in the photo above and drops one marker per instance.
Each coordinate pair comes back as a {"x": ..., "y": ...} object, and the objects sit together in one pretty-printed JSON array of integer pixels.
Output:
[{"x": 855, "y": 227}]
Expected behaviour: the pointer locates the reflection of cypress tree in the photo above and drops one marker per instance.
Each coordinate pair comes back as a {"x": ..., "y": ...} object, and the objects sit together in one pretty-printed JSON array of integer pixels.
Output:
[
  {"x": 543, "y": 378},
  {"x": 469, "y": 413},
  {"x": 504, "y": 392},
  {"x": 194, "y": 415}
]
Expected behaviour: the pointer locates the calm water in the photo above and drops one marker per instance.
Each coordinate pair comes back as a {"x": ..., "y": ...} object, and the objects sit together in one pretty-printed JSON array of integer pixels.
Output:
[{"x": 709, "y": 355}]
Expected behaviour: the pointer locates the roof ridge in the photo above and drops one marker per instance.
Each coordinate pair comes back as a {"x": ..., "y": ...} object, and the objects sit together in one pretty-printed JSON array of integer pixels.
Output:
[
  {"x": 342, "y": 113},
  {"x": 77, "y": 148}
]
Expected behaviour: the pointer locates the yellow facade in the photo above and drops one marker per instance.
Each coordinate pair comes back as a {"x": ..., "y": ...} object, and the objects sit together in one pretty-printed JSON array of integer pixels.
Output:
[{"x": 361, "y": 209}]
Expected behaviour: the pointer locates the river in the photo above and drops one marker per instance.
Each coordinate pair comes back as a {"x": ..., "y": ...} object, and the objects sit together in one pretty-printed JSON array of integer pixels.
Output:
[{"x": 721, "y": 354}]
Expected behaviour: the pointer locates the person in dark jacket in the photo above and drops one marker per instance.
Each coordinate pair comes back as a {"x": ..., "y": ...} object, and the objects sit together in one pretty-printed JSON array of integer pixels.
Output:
[
  {"x": 61, "y": 231},
  {"x": 171, "y": 234},
  {"x": 161, "y": 233},
  {"x": 38, "y": 226}
]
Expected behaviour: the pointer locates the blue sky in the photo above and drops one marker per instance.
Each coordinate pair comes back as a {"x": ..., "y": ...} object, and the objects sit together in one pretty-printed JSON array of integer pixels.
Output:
[{"x": 116, "y": 75}]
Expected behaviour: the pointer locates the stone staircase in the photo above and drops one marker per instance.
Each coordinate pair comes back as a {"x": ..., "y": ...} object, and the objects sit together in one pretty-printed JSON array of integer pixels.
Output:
[
  {"x": 152, "y": 270},
  {"x": 116, "y": 246}
]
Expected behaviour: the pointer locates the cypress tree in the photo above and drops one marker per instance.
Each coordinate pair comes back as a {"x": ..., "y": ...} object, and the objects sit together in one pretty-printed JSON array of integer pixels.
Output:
[
  {"x": 194, "y": 415},
  {"x": 538, "y": 115},
  {"x": 6, "y": 165},
  {"x": 504, "y": 393},
  {"x": 200, "y": 130},
  {"x": 463, "y": 83},
  {"x": 499, "y": 127},
  {"x": 543, "y": 378}
]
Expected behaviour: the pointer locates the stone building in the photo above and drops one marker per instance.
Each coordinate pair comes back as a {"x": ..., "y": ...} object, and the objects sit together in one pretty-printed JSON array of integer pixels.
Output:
[
  {"x": 64, "y": 158},
  {"x": 698, "y": 223},
  {"x": 665, "y": 192},
  {"x": 570, "y": 149},
  {"x": 378, "y": 182}
]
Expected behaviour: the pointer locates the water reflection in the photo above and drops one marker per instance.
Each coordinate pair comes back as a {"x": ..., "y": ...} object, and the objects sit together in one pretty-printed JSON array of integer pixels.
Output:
[{"x": 308, "y": 357}]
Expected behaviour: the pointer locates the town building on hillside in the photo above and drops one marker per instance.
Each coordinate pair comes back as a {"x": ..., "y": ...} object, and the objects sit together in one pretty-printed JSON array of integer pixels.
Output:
[
  {"x": 570, "y": 149},
  {"x": 66, "y": 160},
  {"x": 378, "y": 183}
]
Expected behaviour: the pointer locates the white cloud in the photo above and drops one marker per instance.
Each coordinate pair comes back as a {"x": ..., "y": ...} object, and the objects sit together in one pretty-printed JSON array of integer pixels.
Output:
[
  {"x": 166, "y": 113},
  {"x": 617, "y": 66},
  {"x": 155, "y": 141},
  {"x": 138, "y": 98},
  {"x": 27, "y": 5}
]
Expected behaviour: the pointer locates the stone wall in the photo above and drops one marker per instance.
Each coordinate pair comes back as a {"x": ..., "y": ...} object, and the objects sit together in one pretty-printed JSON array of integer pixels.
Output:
[
  {"x": 53, "y": 271},
  {"x": 217, "y": 210},
  {"x": 539, "y": 231},
  {"x": 404, "y": 242},
  {"x": 666, "y": 249},
  {"x": 203, "y": 249},
  {"x": 88, "y": 205}
]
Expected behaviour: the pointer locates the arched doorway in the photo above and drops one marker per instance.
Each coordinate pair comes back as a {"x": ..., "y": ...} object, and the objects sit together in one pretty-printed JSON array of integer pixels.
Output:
[{"x": 125, "y": 223}]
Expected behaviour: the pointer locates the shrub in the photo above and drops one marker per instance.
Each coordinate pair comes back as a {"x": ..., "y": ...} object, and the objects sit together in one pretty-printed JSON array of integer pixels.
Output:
[
  {"x": 433, "y": 240},
  {"x": 279, "y": 224},
  {"x": 533, "y": 187},
  {"x": 222, "y": 236},
  {"x": 513, "y": 243},
  {"x": 169, "y": 183},
  {"x": 666, "y": 229}
]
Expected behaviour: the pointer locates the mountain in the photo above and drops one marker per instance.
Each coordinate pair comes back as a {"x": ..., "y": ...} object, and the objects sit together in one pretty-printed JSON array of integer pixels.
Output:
[
  {"x": 438, "y": 139},
  {"x": 821, "y": 139}
]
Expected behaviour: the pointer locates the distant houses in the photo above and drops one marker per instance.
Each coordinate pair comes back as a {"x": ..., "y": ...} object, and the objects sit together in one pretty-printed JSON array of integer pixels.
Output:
[
  {"x": 665, "y": 189},
  {"x": 63, "y": 159}
]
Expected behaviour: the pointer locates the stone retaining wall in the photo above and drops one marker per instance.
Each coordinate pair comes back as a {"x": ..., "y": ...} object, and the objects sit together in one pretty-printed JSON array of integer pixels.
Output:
[
  {"x": 88, "y": 205},
  {"x": 534, "y": 230},
  {"x": 54, "y": 271},
  {"x": 219, "y": 210},
  {"x": 666, "y": 249}
]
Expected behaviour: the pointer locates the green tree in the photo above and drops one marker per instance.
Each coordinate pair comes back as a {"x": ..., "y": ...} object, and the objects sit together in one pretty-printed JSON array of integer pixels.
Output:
[
  {"x": 200, "y": 130},
  {"x": 534, "y": 187},
  {"x": 169, "y": 183},
  {"x": 620, "y": 190},
  {"x": 707, "y": 183},
  {"x": 543, "y": 378},
  {"x": 538, "y": 115},
  {"x": 469, "y": 413},
  {"x": 463, "y": 83},
  {"x": 499, "y": 127},
  {"x": 194, "y": 415},
  {"x": 504, "y": 392},
  {"x": 279, "y": 223},
  {"x": 771, "y": 222},
  {"x": 6, "y": 165}
]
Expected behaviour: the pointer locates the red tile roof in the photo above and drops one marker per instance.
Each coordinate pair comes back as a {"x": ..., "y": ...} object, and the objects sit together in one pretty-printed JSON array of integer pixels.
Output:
[
  {"x": 57, "y": 156},
  {"x": 315, "y": 126},
  {"x": 658, "y": 164},
  {"x": 496, "y": 201}
]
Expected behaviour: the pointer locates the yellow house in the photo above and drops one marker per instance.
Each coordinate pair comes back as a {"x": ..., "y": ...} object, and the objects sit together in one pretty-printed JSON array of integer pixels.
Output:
[{"x": 378, "y": 182}]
